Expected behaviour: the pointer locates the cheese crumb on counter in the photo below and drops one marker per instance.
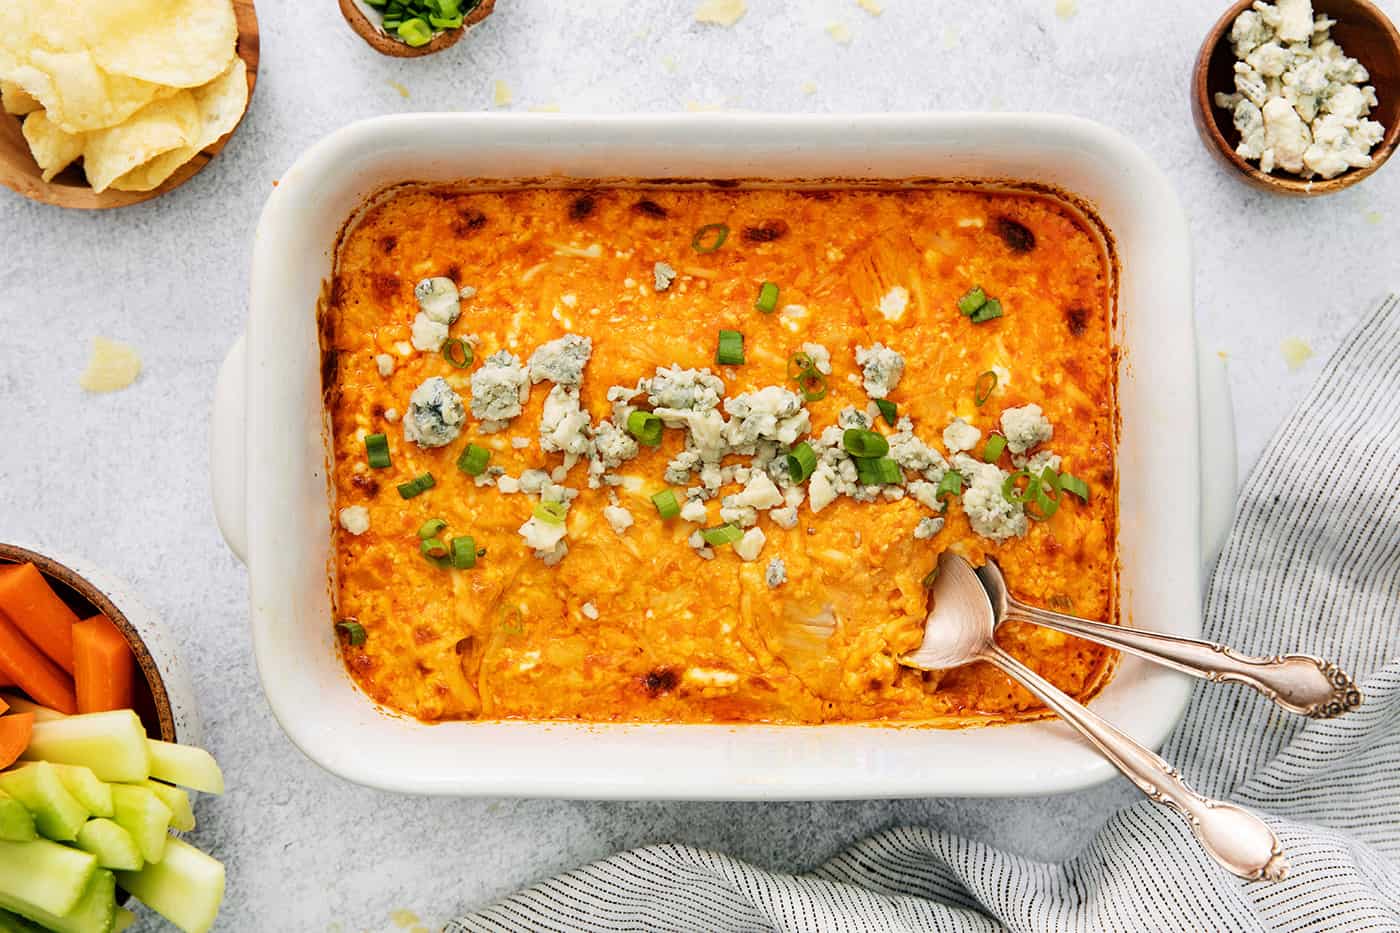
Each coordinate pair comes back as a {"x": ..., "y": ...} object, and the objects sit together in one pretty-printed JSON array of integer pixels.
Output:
[
  {"x": 112, "y": 366},
  {"x": 1295, "y": 352},
  {"x": 721, "y": 12}
]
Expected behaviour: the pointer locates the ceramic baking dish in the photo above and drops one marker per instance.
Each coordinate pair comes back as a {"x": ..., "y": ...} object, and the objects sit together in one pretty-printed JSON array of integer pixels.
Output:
[{"x": 269, "y": 455}]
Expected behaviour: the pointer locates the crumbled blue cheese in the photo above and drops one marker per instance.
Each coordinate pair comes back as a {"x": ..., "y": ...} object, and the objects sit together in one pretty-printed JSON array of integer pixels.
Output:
[
  {"x": 927, "y": 528},
  {"x": 694, "y": 511},
  {"x": 438, "y": 299},
  {"x": 612, "y": 446},
  {"x": 683, "y": 389},
  {"x": 508, "y": 484},
  {"x": 771, "y": 413},
  {"x": 663, "y": 275},
  {"x": 561, "y": 361},
  {"x": 619, "y": 518},
  {"x": 520, "y": 443},
  {"x": 820, "y": 357},
  {"x": 895, "y": 302},
  {"x": 564, "y": 425},
  {"x": 533, "y": 481},
  {"x": 1037, "y": 462},
  {"x": 500, "y": 389},
  {"x": 987, "y": 508},
  {"x": 1300, "y": 103},
  {"x": 911, "y": 453},
  {"x": 1025, "y": 427},
  {"x": 776, "y": 574},
  {"x": 751, "y": 544},
  {"x": 926, "y": 494},
  {"x": 428, "y": 335},
  {"x": 589, "y": 610},
  {"x": 435, "y": 414},
  {"x": 385, "y": 363},
  {"x": 960, "y": 436},
  {"x": 354, "y": 519},
  {"x": 760, "y": 493},
  {"x": 822, "y": 488},
  {"x": 881, "y": 368},
  {"x": 391, "y": 415},
  {"x": 786, "y": 517}
]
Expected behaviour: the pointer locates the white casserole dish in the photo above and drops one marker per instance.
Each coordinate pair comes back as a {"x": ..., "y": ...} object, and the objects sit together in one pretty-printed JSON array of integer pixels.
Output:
[{"x": 270, "y": 486}]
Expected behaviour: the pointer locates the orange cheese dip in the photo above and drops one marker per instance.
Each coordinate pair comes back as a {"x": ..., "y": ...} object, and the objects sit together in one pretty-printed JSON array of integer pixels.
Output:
[{"x": 637, "y": 626}]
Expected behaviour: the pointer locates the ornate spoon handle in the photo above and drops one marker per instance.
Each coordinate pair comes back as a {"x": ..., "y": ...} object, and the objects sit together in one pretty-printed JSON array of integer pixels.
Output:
[
  {"x": 1233, "y": 836},
  {"x": 1299, "y": 683}
]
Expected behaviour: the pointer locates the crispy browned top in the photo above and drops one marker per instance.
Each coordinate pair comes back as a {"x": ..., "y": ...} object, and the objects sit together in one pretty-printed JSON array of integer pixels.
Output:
[{"x": 678, "y": 638}]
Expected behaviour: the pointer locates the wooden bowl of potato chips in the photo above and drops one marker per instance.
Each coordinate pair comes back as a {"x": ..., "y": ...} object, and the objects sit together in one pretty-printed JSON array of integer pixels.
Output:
[{"x": 113, "y": 103}]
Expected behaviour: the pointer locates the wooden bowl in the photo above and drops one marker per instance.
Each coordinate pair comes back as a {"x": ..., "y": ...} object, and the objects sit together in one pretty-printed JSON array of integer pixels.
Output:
[
  {"x": 366, "y": 26},
  {"x": 153, "y": 698},
  {"x": 69, "y": 188},
  {"x": 1363, "y": 32}
]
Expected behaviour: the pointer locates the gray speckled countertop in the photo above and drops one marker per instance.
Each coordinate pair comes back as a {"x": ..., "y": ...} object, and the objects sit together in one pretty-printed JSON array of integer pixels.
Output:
[{"x": 122, "y": 479}]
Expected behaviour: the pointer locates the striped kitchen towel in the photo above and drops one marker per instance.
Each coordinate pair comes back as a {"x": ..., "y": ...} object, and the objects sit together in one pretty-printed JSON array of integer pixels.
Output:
[{"x": 1313, "y": 561}]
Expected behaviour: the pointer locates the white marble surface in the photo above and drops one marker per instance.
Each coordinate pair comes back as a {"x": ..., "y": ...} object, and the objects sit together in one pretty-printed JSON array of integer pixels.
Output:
[{"x": 122, "y": 479}]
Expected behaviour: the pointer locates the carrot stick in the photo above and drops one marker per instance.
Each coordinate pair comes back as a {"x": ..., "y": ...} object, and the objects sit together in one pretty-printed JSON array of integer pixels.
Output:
[
  {"x": 103, "y": 667},
  {"x": 15, "y": 730},
  {"x": 35, "y": 674},
  {"x": 25, "y": 596}
]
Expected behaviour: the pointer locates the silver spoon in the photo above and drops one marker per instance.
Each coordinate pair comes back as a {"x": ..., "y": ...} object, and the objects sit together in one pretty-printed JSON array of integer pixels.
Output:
[
  {"x": 1300, "y": 683},
  {"x": 961, "y": 629}
]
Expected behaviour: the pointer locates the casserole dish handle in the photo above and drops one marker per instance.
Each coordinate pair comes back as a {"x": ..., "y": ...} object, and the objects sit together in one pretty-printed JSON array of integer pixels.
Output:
[
  {"x": 228, "y": 449},
  {"x": 1218, "y": 457}
]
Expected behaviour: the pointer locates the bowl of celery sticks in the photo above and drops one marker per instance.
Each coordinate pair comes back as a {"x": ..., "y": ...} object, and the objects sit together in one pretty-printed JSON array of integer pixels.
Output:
[{"x": 99, "y": 761}]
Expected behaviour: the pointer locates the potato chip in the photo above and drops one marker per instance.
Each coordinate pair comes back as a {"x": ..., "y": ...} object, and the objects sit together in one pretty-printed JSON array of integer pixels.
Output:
[
  {"x": 53, "y": 149},
  {"x": 16, "y": 100},
  {"x": 77, "y": 94},
  {"x": 113, "y": 366},
  {"x": 186, "y": 43},
  {"x": 220, "y": 103},
  {"x": 163, "y": 125}
]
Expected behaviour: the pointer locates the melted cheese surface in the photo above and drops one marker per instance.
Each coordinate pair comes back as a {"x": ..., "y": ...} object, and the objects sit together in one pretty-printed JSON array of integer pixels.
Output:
[{"x": 677, "y": 638}]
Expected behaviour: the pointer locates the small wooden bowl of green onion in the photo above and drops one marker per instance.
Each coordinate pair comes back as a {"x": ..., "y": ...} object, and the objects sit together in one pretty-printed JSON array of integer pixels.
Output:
[{"x": 412, "y": 28}]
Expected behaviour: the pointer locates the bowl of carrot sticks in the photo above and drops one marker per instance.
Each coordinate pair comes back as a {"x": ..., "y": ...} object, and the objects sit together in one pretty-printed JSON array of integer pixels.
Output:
[{"x": 99, "y": 766}]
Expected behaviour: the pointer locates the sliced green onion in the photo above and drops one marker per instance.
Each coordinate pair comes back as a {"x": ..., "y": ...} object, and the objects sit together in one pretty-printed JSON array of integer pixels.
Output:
[
  {"x": 721, "y": 534},
  {"x": 430, "y": 528},
  {"x": 950, "y": 485},
  {"x": 377, "y": 450},
  {"x": 417, "y": 486},
  {"x": 445, "y": 22},
  {"x": 878, "y": 472},
  {"x": 645, "y": 427},
  {"x": 353, "y": 631},
  {"x": 988, "y": 311},
  {"x": 666, "y": 504},
  {"x": 433, "y": 548},
  {"x": 801, "y": 462},
  {"x": 415, "y": 32},
  {"x": 995, "y": 445},
  {"x": 813, "y": 385},
  {"x": 1075, "y": 486},
  {"x": 887, "y": 410},
  {"x": 463, "y": 552},
  {"x": 473, "y": 460},
  {"x": 458, "y": 352},
  {"x": 799, "y": 365},
  {"x": 973, "y": 300},
  {"x": 986, "y": 385},
  {"x": 865, "y": 444},
  {"x": 767, "y": 297},
  {"x": 1045, "y": 504},
  {"x": 551, "y": 513},
  {"x": 709, "y": 238},
  {"x": 731, "y": 348},
  {"x": 1010, "y": 493}
]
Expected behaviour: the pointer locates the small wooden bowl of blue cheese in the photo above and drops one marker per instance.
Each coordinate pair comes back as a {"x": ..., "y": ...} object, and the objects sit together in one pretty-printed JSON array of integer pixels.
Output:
[{"x": 1299, "y": 97}]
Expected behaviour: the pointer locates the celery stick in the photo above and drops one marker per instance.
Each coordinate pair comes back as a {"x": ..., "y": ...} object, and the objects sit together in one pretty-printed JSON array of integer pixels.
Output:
[
  {"x": 19, "y": 704},
  {"x": 181, "y": 810},
  {"x": 57, "y": 813},
  {"x": 13, "y": 923},
  {"x": 186, "y": 888},
  {"x": 16, "y": 823},
  {"x": 141, "y": 813},
  {"x": 112, "y": 845},
  {"x": 125, "y": 918},
  {"x": 43, "y": 875},
  {"x": 95, "y": 911},
  {"x": 185, "y": 765},
  {"x": 112, "y": 744},
  {"x": 93, "y": 794}
]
